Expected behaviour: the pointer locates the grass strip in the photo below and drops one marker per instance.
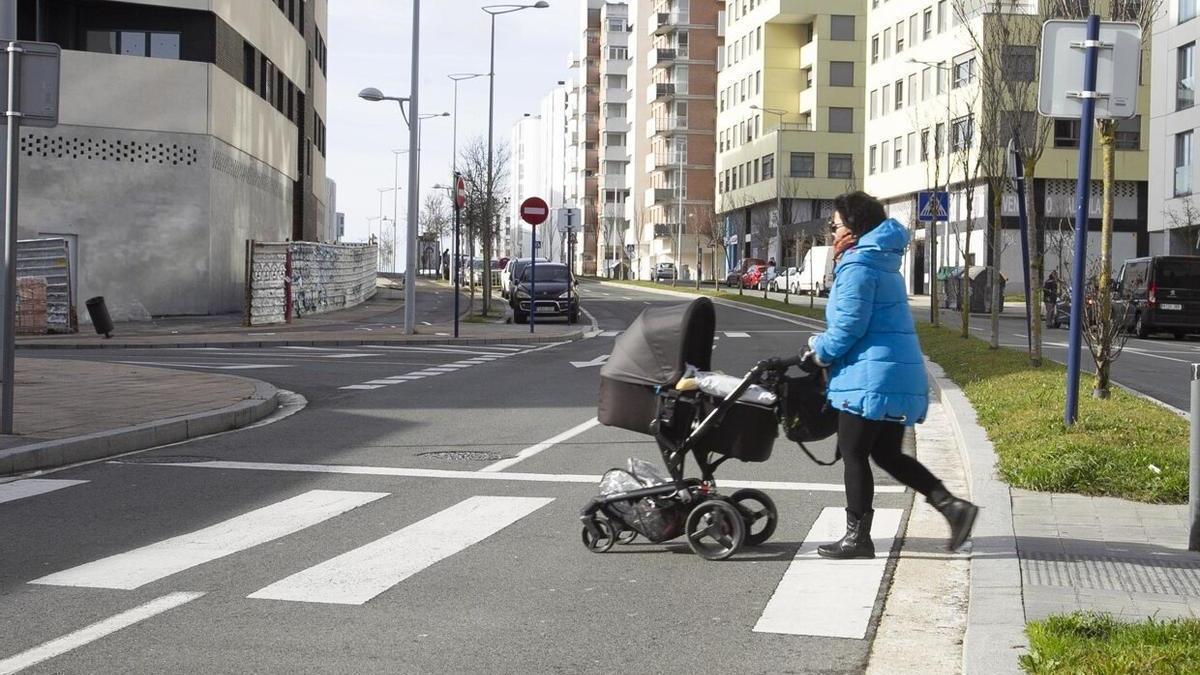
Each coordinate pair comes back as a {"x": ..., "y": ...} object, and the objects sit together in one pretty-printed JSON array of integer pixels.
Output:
[
  {"x": 1097, "y": 644},
  {"x": 1123, "y": 446}
]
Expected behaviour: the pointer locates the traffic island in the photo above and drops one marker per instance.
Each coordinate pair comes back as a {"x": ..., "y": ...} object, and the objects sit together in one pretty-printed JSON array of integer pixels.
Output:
[{"x": 66, "y": 412}]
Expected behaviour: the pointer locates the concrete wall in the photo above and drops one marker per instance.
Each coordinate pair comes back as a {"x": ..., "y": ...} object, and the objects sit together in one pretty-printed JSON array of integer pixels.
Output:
[{"x": 323, "y": 278}]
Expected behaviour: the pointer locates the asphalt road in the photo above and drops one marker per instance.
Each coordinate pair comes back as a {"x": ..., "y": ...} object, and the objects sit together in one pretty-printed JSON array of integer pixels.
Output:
[{"x": 427, "y": 524}]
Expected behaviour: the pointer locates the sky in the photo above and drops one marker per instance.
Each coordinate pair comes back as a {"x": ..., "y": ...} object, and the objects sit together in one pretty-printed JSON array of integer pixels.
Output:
[{"x": 370, "y": 46}]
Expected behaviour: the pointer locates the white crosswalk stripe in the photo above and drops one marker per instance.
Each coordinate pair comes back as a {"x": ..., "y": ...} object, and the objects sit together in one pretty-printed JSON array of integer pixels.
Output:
[
  {"x": 357, "y": 576},
  {"x": 32, "y": 487},
  {"x": 830, "y": 598},
  {"x": 141, "y": 566}
]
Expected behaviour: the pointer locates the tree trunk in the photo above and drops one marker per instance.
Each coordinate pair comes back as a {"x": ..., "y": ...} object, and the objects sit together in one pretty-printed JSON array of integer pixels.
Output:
[
  {"x": 965, "y": 291},
  {"x": 997, "y": 250},
  {"x": 1035, "y": 265},
  {"x": 1104, "y": 329}
]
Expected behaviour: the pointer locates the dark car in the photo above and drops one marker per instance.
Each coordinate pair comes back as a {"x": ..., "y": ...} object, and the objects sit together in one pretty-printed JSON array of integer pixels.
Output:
[
  {"x": 664, "y": 272},
  {"x": 1160, "y": 294},
  {"x": 556, "y": 291}
]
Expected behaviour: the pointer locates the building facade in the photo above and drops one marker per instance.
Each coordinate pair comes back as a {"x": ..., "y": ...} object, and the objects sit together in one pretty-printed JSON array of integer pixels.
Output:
[
  {"x": 930, "y": 116},
  {"x": 612, "y": 187},
  {"x": 678, "y": 44},
  {"x": 539, "y": 161},
  {"x": 187, "y": 127},
  {"x": 1174, "y": 220},
  {"x": 790, "y": 122}
]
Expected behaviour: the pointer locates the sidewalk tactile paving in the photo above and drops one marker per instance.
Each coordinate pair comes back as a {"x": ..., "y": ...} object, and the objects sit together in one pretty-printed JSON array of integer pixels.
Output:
[{"x": 1143, "y": 574}]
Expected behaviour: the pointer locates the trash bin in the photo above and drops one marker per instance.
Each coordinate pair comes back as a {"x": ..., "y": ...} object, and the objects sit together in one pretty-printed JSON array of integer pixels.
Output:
[{"x": 100, "y": 318}]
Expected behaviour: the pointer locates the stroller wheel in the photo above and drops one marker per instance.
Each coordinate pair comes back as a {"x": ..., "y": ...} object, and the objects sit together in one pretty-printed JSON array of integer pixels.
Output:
[
  {"x": 714, "y": 529},
  {"x": 759, "y": 514},
  {"x": 626, "y": 536},
  {"x": 602, "y": 543}
]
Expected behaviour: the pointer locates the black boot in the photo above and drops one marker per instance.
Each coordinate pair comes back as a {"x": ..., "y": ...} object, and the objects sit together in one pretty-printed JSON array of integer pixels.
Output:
[
  {"x": 960, "y": 513},
  {"x": 857, "y": 542}
]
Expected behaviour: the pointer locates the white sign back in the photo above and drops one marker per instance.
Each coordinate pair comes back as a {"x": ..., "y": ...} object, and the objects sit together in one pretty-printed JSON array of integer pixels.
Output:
[{"x": 1118, "y": 69}]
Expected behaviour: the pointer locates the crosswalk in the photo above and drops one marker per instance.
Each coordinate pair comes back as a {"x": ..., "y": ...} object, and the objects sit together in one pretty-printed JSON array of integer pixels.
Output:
[{"x": 478, "y": 357}]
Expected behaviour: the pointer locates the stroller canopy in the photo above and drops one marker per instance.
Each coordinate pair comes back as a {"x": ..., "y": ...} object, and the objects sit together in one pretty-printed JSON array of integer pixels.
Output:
[{"x": 661, "y": 342}]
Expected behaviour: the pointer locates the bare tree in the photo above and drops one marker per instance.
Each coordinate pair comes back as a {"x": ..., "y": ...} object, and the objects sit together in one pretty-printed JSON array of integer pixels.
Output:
[
  {"x": 1103, "y": 328},
  {"x": 482, "y": 230},
  {"x": 435, "y": 220}
]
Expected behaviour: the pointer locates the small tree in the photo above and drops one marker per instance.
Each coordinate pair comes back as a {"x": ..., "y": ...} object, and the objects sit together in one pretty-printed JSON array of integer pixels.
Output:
[
  {"x": 1103, "y": 328},
  {"x": 482, "y": 230}
]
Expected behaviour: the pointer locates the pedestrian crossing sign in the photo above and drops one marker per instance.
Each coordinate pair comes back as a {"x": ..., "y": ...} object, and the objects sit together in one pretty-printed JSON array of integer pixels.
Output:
[{"x": 933, "y": 206}]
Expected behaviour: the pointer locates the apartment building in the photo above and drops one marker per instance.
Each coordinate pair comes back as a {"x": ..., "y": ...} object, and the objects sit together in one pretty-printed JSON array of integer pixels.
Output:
[
  {"x": 1174, "y": 221},
  {"x": 790, "y": 122},
  {"x": 613, "y": 135},
  {"x": 186, "y": 128},
  {"x": 539, "y": 169},
  {"x": 928, "y": 117},
  {"x": 677, "y": 44}
]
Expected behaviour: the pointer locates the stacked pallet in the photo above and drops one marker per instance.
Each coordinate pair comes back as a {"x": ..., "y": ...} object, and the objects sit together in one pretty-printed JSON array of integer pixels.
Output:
[{"x": 32, "y": 306}]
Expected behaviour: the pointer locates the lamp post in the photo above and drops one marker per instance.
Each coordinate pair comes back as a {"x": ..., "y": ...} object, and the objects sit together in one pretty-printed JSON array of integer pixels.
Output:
[
  {"x": 778, "y": 168},
  {"x": 383, "y": 219},
  {"x": 935, "y": 314},
  {"x": 395, "y": 199},
  {"x": 421, "y": 118},
  {"x": 493, "y": 11}
]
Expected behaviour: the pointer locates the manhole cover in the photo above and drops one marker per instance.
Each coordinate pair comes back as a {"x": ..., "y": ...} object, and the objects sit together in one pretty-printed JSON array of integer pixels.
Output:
[
  {"x": 464, "y": 455},
  {"x": 167, "y": 459}
]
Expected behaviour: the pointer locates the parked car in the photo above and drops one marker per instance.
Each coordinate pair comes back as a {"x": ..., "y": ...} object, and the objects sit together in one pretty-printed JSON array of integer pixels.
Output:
[
  {"x": 664, "y": 272},
  {"x": 512, "y": 270},
  {"x": 788, "y": 279},
  {"x": 816, "y": 273},
  {"x": 755, "y": 277},
  {"x": 1159, "y": 294},
  {"x": 747, "y": 263},
  {"x": 556, "y": 288}
]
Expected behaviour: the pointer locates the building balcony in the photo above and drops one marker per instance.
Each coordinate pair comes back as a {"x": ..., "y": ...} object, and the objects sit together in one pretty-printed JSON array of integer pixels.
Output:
[
  {"x": 665, "y": 58},
  {"x": 615, "y": 95},
  {"x": 665, "y": 23},
  {"x": 662, "y": 91},
  {"x": 666, "y": 161},
  {"x": 665, "y": 231},
  {"x": 659, "y": 196},
  {"x": 667, "y": 125},
  {"x": 616, "y": 153}
]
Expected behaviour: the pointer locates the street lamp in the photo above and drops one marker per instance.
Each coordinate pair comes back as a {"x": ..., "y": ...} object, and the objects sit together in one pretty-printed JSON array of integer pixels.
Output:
[
  {"x": 778, "y": 169},
  {"x": 931, "y": 231},
  {"x": 493, "y": 11}
]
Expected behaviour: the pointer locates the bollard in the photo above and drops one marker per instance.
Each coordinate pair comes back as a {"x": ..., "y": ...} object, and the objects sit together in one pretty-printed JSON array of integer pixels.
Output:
[{"x": 1194, "y": 464}]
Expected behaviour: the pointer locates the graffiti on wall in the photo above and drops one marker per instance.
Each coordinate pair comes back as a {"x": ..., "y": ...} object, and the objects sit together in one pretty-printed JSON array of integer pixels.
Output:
[{"x": 296, "y": 279}]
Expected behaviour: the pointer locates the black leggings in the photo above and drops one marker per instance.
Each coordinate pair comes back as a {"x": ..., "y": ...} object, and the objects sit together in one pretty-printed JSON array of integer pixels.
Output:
[{"x": 859, "y": 438}]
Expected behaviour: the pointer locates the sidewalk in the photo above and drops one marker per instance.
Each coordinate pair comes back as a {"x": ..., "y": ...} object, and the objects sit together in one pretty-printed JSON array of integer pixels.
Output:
[
  {"x": 74, "y": 411},
  {"x": 377, "y": 321}
]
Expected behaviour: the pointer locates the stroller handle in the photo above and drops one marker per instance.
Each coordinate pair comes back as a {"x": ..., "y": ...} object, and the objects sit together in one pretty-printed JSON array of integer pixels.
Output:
[{"x": 779, "y": 363}]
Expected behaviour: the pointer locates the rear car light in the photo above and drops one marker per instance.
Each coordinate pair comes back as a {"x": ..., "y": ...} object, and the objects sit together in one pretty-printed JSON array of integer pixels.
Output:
[{"x": 1152, "y": 293}]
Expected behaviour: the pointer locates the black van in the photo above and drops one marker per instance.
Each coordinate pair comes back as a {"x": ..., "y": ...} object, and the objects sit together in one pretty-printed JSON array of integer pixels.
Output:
[{"x": 1160, "y": 294}]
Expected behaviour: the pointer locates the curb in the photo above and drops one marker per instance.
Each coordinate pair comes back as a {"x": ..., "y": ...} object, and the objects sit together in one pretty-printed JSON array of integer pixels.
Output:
[
  {"x": 743, "y": 306},
  {"x": 63, "y": 452},
  {"x": 995, "y": 635},
  {"x": 332, "y": 342}
]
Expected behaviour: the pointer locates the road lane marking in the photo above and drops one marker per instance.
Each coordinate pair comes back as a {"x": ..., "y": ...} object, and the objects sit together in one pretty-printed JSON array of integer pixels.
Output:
[
  {"x": 736, "y": 334},
  {"x": 544, "y": 445},
  {"x": 32, "y": 487},
  {"x": 610, "y": 333},
  {"x": 363, "y": 386},
  {"x": 440, "y": 350},
  {"x": 387, "y": 382},
  {"x": 141, "y": 566},
  {"x": 249, "y": 366},
  {"x": 357, "y": 576},
  {"x": 830, "y": 598},
  {"x": 401, "y": 472},
  {"x": 96, "y": 631}
]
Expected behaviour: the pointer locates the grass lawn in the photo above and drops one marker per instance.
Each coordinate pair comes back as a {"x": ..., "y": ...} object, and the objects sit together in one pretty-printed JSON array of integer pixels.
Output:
[
  {"x": 1094, "y": 644},
  {"x": 1123, "y": 446}
]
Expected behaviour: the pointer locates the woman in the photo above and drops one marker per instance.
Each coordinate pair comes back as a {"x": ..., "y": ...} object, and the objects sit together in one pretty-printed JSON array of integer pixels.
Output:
[{"x": 876, "y": 372}]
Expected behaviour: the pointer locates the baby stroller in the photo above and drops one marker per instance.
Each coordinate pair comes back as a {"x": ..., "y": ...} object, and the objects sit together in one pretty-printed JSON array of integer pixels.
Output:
[{"x": 638, "y": 391}]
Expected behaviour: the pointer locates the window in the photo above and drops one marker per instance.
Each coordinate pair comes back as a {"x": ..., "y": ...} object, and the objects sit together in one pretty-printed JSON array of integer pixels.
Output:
[
  {"x": 841, "y": 27},
  {"x": 1070, "y": 9},
  {"x": 911, "y": 147},
  {"x": 1066, "y": 133},
  {"x": 963, "y": 70},
  {"x": 899, "y": 37},
  {"x": 939, "y": 136},
  {"x": 1185, "y": 76},
  {"x": 758, "y": 82},
  {"x": 756, "y": 171},
  {"x": 962, "y": 133},
  {"x": 1126, "y": 10},
  {"x": 807, "y": 75},
  {"x": 871, "y": 160},
  {"x": 616, "y": 82},
  {"x": 874, "y": 49},
  {"x": 1009, "y": 122},
  {"x": 899, "y": 94},
  {"x": 614, "y": 139},
  {"x": 768, "y": 167},
  {"x": 925, "y": 145},
  {"x": 841, "y": 120},
  {"x": 802, "y": 164},
  {"x": 616, "y": 24},
  {"x": 887, "y": 42},
  {"x": 841, "y": 166},
  {"x": 841, "y": 73},
  {"x": 884, "y": 156},
  {"x": 897, "y": 153},
  {"x": 1183, "y": 164},
  {"x": 1187, "y": 12},
  {"x": 1019, "y": 63},
  {"x": 248, "y": 52},
  {"x": 758, "y": 38},
  {"x": 1129, "y": 133},
  {"x": 614, "y": 109},
  {"x": 618, "y": 53},
  {"x": 157, "y": 45},
  {"x": 912, "y": 89},
  {"x": 941, "y": 81},
  {"x": 912, "y": 31},
  {"x": 926, "y": 84},
  {"x": 874, "y": 103},
  {"x": 941, "y": 16},
  {"x": 885, "y": 100}
]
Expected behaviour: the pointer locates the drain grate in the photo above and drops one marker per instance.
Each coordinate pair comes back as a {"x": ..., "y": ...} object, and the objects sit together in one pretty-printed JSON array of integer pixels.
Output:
[
  {"x": 464, "y": 455},
  {"x": 167, "y": 459}
]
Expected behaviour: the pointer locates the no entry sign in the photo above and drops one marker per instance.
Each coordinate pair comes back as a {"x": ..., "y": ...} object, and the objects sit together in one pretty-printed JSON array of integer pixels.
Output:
[
  {"x": 534, "y": 210},
  {"x": 460, "y": 192}
]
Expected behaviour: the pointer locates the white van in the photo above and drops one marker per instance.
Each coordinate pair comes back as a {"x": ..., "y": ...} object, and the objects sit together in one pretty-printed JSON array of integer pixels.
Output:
[{"x": 816, "y": 275}]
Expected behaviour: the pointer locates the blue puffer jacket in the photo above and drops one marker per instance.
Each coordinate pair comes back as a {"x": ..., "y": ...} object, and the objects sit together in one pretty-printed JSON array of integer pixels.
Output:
[{"x": 876, "y": 368}]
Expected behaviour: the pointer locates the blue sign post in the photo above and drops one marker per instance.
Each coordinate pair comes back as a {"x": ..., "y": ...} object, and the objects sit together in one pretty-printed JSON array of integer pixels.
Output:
[
  {"x": 1082, "y": 194},
  {"x": 933, "y": 206}
]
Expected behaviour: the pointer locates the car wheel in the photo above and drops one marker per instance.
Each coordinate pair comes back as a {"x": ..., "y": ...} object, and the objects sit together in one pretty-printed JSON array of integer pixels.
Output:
[
  {"x": 520, "y": 317},
  {"x": 1140, "y": 329}
]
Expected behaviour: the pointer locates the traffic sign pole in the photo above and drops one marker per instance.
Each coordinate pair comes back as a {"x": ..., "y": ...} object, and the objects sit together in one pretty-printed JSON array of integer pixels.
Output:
[
  {"x": 1082, "y": 197},
  {"x": 533, "y": 211},
  {"x": 1018, "y": 170},
  {"x": 460, "y": 199}
]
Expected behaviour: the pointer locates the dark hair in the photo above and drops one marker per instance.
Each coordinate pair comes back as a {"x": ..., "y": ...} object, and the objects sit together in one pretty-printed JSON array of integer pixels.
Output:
[{"x": 860, "y": 211}]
